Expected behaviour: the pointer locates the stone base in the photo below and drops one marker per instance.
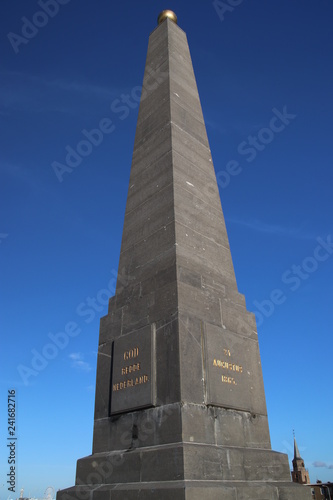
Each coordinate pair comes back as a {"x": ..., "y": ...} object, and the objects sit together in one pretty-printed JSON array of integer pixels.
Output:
[
  {"x": 183, "y": 461},
  {"x": 185, "y": 471},
  {"x": 189, "y": 490}
]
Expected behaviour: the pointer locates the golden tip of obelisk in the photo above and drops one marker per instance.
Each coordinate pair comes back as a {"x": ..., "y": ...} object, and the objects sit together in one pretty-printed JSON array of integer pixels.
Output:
[{"x": 166, "y": 14}]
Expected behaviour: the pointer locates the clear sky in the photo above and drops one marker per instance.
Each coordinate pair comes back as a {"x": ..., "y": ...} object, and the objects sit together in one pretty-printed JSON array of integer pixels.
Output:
[{"x": 60, "y": 241}]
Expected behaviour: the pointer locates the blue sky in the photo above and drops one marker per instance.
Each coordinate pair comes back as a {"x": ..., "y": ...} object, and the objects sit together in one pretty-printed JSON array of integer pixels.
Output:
[{"x": 60, "y": 241}]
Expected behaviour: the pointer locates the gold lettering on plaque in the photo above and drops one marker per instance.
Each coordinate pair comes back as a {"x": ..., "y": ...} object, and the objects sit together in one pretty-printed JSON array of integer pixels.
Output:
[
  {"x": 131, "y": 354},
  {"x": 228, "y": 366},
  {"x": 130, "y": 369},
  {"x": 228, "y": 380},
  {"x": 132, "y": 382}
]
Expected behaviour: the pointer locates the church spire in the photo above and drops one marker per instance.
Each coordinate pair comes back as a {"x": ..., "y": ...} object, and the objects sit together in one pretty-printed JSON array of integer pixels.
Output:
[
  {"x": 296, "y": 451},
  {"x": 299, "y": 473}
]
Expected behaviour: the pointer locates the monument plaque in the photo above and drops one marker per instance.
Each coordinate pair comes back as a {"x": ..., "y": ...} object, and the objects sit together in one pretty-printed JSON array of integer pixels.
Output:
[
  {"x": 232, "y": 366},
  {"x": 132, "y": 384}
]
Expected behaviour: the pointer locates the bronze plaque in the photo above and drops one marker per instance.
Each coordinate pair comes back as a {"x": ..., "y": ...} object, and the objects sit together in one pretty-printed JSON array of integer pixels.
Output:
[{"x": 133, "y": 360}]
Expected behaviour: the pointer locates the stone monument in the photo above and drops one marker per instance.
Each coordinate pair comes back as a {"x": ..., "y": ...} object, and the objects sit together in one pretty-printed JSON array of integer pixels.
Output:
[{"x": 180, "y": 409}]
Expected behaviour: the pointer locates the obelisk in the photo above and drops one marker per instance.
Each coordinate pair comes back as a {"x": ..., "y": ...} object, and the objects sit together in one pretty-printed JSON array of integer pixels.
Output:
[{"x": 180, "y": 409}]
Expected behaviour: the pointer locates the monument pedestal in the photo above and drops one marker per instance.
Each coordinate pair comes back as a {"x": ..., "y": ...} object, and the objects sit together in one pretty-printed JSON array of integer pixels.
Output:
[
  {"x": 192, "y": 490},
  {"x": 180, "y": 409},
  {"x": 180, "y": 451}
]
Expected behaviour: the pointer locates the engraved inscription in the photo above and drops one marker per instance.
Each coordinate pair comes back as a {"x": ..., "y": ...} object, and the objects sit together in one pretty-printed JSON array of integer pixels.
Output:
[
  {"x": 132, "y": 372},
  {"x": 131, "y": 353},
  {"x": 228, "y": 366},
  {"x": 130, "y": 383},
  {"x": 227, "y": 376},
  {"x": 130, "y": 369}
]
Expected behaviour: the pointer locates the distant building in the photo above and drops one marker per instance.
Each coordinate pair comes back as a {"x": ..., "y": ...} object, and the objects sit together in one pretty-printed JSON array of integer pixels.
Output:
[
  {"x": 321, "y": 490},
  {"x": 299, "y": 473}
]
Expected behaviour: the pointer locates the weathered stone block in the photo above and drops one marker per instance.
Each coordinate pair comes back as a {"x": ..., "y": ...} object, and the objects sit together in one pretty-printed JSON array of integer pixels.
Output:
[
  {"x": 188, "y": 122},
  {"x": 149, "y": 181},
  {"x": 165, "y": 464},
  {"x": 103, "y": 377}
]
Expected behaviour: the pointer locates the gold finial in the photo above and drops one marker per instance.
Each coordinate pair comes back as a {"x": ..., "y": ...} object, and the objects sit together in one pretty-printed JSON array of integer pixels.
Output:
[{"x": 167, "y": 14}]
